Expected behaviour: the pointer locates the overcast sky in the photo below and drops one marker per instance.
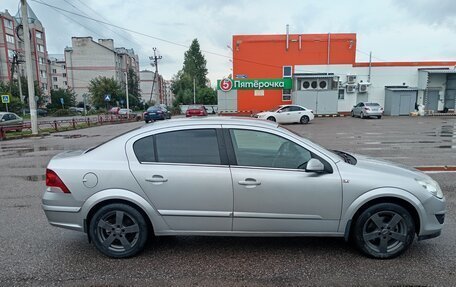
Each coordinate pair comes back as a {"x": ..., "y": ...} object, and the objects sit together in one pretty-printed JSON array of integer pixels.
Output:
[{"x": 406, "y": 30}]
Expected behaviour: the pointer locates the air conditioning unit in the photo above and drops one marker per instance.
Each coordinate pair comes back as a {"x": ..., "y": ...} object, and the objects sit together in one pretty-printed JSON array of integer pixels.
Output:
[
  {"x": 351, "y": 88},
  {"x": 363, "y": 87},
  {"x": 323, "y": 84},
  {"x": 351, "y": 79},
  {"x": 305, "y": 85}
]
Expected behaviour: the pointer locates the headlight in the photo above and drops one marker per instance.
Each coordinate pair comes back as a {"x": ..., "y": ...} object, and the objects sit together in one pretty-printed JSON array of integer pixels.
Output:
[{"x": 432, "y": 186}]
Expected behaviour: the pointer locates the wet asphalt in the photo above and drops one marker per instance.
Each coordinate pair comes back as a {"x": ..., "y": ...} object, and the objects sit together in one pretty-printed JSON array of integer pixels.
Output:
[{"x": 34, "y": 253}]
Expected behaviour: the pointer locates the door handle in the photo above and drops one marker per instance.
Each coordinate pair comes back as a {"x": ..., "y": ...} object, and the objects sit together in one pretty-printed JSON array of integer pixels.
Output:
[
  {"x": 249, "y": 182},
  {"x": 156, "y": 179}
]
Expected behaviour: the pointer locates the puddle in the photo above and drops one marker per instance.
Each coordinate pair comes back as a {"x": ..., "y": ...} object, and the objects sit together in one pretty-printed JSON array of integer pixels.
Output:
[
  {"x": 76, "y": 136},
  {"x": 33, "y": 178},
  {"x": 21, "y": 150}
]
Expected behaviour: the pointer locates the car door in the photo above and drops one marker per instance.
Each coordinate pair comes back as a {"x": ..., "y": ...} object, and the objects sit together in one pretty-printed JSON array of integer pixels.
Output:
[
  {"x": 284, "y": 115},
  {"x": 296, "y": 113},
  {"x": 359, "y": 109},
  {"x": 272, "y": 191},
  {"x": 185, "y": 174}
]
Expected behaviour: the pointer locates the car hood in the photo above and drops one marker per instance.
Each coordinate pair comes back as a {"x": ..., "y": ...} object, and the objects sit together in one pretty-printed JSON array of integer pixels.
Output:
[{"x": 388, "y": 167}]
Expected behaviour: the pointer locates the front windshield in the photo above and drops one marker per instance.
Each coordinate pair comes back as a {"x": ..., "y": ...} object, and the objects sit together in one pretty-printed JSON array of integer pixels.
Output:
[{"x": 275, "y": 109}]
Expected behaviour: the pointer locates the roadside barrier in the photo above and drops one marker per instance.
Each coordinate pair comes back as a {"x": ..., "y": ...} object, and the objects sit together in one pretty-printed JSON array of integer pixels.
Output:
[{"x": 70, "y": 124}]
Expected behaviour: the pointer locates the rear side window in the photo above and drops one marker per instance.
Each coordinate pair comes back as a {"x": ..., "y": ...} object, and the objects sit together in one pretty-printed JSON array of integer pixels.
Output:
[
  {"x": 188, "y": 146},
  {"x": 144, "y": 149}
]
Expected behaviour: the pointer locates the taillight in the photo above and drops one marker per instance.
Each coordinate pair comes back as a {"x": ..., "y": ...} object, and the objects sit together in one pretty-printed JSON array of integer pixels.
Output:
[
  {"x": 367, "y": 109},
  {"x": 53, "y": 180}
]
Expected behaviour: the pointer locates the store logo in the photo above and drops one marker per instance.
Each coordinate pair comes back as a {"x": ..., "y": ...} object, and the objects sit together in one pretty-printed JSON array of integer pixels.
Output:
[{"x": 226, "y": 85}]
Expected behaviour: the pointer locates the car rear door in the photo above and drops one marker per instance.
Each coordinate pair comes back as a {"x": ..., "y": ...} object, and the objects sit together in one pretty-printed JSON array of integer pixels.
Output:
[
  {"x": 272, "y": 194},
  {"x": 186, "y": 176}
]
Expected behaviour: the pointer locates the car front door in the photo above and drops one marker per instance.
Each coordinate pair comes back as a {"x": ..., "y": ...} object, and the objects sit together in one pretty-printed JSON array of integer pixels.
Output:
[
  {"x": 185, "y": 175},
  {"x": 284, "y": 115},
  {"x": 272, "y": 191}
]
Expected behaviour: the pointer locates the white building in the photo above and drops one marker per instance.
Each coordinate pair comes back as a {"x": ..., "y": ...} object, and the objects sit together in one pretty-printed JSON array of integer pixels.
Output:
[{"x": 57, "y": 66}]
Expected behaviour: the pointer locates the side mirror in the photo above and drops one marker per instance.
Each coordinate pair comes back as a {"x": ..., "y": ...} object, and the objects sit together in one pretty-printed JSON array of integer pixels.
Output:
[
  {"x": 279, "y": 111},
  {"x": 315, "y": 165}
]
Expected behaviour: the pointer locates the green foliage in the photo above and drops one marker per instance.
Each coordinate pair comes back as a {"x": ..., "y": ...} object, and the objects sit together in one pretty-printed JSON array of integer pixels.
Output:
[
  {"x": 16, "y": 105},
  {"x": 63, "y": 113},
  {"x": 194, "y": 69},
  {"x": 134, "y": 92},
  {"x": 101, "y": 86},
  {"x": 69, "y": 99}
]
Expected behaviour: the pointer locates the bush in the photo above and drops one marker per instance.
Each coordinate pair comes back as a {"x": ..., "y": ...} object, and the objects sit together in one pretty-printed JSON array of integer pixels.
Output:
[{"x": 64, "y": 113}]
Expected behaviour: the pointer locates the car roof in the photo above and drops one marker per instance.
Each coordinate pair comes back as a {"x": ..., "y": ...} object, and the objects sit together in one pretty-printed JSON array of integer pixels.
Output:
[{"x": 219, "y": 120}]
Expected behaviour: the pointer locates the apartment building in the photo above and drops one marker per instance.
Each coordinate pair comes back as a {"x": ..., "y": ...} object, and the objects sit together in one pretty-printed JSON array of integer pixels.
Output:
[
  {"x": 58, "y": 74},
  {"x": 87, "y": 59},
  {"x": 11, "y": 44}
]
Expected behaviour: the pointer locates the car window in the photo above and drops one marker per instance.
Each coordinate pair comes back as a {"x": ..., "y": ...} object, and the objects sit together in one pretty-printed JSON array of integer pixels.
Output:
[
  {"x": 261, "y": 149},
  {"x": 188, "y": 146},
  {"x": 285, "y": 109},
  {"x": 144, "y": 149},
  {"x": 12, "y": 116},
  {"x": 296, "y": 108},
  {"x": 361, "y": 104},
  {"x": 6, "y": 117}
]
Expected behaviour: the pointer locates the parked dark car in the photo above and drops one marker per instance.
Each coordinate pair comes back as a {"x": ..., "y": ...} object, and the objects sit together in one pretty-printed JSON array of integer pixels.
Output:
[
  {"x": 39, "y": 111},
  {"x": 154, "y": 114},
  {"x": 166, "y": 110},
  {"x": 196, "y": 111}
]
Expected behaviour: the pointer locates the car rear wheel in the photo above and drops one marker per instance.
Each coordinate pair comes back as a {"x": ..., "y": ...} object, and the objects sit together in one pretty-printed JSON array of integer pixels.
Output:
[
  {"x": 272, "y": 119},
  {"x": 379, "y": 117},
  {"x": 118, "y": 230},
  {"x": 304, "y": 120},
  {"x": 384, "y": 231}
]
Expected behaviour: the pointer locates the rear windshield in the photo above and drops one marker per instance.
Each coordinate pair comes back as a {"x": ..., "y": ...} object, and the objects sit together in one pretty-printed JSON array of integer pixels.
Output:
[{"x": 372, "y": 104}]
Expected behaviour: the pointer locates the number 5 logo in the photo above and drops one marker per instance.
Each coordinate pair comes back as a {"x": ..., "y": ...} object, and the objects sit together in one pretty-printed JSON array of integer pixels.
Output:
[{"x": 226, "y": 85}]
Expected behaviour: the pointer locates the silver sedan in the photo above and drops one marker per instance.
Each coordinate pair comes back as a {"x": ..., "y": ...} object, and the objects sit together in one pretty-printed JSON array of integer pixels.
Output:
[
  {"x": 236, "y": 177},
  {"x": 367, "y": 110}
]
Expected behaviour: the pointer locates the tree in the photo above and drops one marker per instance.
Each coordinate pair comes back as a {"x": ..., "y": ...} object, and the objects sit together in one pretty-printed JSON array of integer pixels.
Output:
[
  {"x": 194, "y": 69},
  {"x": 16, "y": 104},
  {"x": 102, "y": 86},
  {"x": 134, "y": 92},
  {"x": 68, "y": 96}
]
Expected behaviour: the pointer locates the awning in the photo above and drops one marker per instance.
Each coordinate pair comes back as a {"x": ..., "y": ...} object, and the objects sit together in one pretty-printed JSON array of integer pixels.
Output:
[
  {"x": 400, "y": 89},
  {"x": 314, "y": 76},
  {"x": 439, "y": 71}
]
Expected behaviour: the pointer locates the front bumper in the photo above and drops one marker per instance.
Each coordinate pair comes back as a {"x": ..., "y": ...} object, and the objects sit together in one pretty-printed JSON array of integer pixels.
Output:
[{"x": 432, "y": 221}]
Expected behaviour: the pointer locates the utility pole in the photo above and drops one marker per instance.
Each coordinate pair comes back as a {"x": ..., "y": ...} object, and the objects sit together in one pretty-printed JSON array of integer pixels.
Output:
[
  {"x": 154, "y": 62},
  {"x": 370, "y": 65},
  {"x": 28, "y": 64},
  {"x": 126, "y": 92}
]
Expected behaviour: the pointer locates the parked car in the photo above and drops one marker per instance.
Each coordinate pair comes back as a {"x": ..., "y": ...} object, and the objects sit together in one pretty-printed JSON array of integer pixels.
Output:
[
  {"x": 285, "y": 114},
  {"x": 39, "y": 111},
  {"x": 196, "y": 110},
  {"x": 11, "y": 120},
  {"x": 366, "y": 110},
  {"x": 166, "y": 110},
  {"x": 114, "y": 110},
  {"x": 154, "y": 114},
  {"x": 236, "y": 177},
  {"x": 76, "y": 110}
]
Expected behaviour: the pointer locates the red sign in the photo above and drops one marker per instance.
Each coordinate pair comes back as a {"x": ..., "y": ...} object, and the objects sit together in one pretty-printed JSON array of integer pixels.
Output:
[{"x": 226, "y": 85}]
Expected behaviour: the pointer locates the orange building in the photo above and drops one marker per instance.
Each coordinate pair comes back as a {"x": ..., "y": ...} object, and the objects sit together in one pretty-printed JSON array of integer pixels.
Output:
[{"x": 325, "y": 75}]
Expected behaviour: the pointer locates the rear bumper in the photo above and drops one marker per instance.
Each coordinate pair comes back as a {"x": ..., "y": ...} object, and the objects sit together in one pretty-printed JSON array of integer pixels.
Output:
[
  {"x": 62, "y": 210},
  {"x": 373, "y": 113},
  {"x": 154, "y": 117}
]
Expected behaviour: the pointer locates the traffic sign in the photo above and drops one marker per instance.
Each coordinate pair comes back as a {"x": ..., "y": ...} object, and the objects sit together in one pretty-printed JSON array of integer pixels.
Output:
[
  {"x": 5, "y": 99},
  {"x": 107, "y": 98}
]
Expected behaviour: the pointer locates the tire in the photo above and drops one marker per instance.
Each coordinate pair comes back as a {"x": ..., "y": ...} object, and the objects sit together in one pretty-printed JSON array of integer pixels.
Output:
[
  {"x": 147, "y": 122},
  {"x": 272, "y": 119},
  {"x": 352, "y": 114},
  {"x": 304, "y": 120},
  {"x": 122, "y": 227},
  {"x": 379, "y": 117},
  {"x": 384, "y": 231}
]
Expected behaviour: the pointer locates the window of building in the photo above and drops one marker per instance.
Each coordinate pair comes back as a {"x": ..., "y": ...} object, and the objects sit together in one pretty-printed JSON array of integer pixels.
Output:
[
  {"x": 63, "y": 66},
  {"x": 44, "y": 86},
  {"x": 261, "y": 149},
  {"x": 54, "y": 79},
  {"x": 64, "y": 75},
  {"x": 8, "y": 23},
  {"x": 286, "y": 95},
  {"x": 144, "y": 149},
  {"x": 341, "y": 94},
  {"x": 43, "y": 74},
  {"x": 56, "y": 87},
  {"x": 9, "y": 38},
  {"x": 65, "y": 83},
  {"x": 41, "y": 48},
  {"x": 188, "y": 146},
  {"x": 54, "y": 71},
  {"x": 41, "y": 60},
  {"x": 287, "y": 71},
  {"x": 10, "y": 54},
  {"x": 39, "y": 35}
]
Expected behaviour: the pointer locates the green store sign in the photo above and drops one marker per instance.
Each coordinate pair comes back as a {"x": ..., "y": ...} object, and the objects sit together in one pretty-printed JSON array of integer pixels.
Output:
[{"x": 254, "y": 84}]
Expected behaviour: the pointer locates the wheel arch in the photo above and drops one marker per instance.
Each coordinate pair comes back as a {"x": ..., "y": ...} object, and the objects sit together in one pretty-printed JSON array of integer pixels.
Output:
[{"x": 399, "y": 197}]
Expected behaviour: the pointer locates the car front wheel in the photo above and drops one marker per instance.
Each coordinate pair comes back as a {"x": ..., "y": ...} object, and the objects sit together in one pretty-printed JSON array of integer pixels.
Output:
[
  {"x": 118, "y": 230},
  {"x": 272, "y": 119},
  {"x": 384, "y": 230}
]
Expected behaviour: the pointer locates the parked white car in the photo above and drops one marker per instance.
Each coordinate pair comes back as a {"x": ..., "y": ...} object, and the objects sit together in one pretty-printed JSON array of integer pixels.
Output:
[{"x": 284, "y": 114}]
